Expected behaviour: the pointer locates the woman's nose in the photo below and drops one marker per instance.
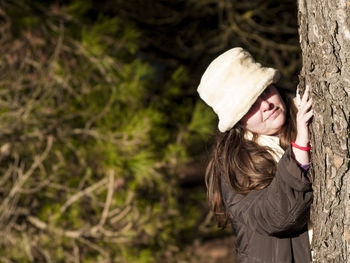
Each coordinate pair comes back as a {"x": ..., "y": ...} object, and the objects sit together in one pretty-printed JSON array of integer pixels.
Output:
[{"x": 266, "y": 105}]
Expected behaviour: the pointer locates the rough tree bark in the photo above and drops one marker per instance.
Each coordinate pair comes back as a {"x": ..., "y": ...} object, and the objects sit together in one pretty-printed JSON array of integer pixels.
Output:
[{"x": 324, "y": 29}]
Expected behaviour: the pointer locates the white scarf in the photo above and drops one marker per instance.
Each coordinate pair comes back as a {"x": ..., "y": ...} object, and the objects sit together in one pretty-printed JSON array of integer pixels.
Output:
[{"x": 273, "y": 142}]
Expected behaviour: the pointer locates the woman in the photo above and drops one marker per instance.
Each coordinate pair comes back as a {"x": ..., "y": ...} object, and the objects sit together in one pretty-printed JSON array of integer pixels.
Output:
[{"x": 256, "y": 177}]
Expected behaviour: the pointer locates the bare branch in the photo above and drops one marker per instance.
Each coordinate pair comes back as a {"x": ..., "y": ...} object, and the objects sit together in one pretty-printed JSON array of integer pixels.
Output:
[{"x": 82, "y": 193}]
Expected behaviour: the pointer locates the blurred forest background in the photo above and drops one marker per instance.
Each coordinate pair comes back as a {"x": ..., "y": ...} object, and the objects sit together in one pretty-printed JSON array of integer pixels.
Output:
[{"x": 103, "y": 138}]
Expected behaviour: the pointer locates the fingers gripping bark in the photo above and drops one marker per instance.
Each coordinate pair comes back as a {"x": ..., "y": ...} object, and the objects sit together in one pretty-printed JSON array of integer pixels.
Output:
[{"x": 304, "y": 116}]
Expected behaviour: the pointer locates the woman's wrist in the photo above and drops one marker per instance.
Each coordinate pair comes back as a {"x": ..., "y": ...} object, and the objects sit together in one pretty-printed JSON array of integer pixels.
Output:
[
  {"x": 301, "y": 154},
  {"x": 302, "y": 142},
  {"x": 300, "y": 147}
]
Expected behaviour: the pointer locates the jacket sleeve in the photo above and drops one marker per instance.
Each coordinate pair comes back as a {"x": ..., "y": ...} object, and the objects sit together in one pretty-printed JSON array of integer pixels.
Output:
[{"x": 281, "y": 208}]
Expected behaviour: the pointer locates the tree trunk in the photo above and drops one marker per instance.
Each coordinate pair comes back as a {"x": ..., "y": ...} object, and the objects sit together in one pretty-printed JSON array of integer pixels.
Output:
[{"x": 324, "y": 29}]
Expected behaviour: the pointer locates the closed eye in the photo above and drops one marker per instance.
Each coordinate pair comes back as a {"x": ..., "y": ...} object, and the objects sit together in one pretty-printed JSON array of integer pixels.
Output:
[{"x": 254, "y": 107}]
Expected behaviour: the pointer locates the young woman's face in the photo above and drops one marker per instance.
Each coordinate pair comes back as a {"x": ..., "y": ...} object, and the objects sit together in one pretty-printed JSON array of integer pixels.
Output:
[{"x": 268, "y": 113}]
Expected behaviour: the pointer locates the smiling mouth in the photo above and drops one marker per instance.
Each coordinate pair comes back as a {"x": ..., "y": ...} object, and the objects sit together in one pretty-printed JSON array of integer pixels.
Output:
[{"x": 273, "y": 113}]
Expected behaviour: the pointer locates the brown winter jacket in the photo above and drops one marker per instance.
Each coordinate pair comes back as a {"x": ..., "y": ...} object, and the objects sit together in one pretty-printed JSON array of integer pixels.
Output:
[{"x": 271, "y": 224}]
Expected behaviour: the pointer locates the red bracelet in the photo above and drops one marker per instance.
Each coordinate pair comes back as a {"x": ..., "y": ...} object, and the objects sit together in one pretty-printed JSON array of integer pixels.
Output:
[{"x": 307, "y": 148}]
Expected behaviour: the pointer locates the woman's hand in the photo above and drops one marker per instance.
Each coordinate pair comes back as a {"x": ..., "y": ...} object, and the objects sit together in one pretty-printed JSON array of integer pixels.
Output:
[{"x": 303, "y": 117}]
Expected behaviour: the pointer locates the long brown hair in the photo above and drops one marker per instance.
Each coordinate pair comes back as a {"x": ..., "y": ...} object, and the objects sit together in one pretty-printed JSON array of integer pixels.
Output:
[{"x": 246, "y": 164}]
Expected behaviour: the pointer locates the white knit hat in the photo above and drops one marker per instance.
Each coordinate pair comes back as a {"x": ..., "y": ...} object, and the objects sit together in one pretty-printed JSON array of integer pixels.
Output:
[{"x": 232, "y": 83}]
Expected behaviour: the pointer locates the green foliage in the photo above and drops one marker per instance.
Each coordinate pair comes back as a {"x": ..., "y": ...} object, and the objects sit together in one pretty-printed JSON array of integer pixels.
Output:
[
  {"x": 89, "y": 154},
  {"x": 203, "y": 119},
  {"x": 79, "y": 8}
]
